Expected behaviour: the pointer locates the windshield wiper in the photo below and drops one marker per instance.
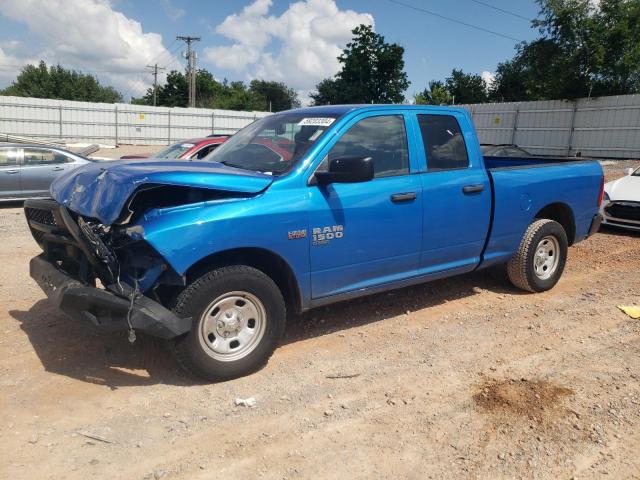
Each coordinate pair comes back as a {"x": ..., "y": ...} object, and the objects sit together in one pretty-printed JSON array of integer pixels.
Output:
[{"x": 233, "y": 165}]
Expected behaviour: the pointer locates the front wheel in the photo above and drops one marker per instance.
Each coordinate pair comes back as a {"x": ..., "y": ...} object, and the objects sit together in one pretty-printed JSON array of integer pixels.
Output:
[
  {"x": 541, "y": 256},
  {"x": 238, "y": 318}
]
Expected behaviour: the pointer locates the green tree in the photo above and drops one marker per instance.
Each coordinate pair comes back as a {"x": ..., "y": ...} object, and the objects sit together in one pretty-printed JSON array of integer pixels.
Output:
[
  {"x": 466, "y": 87},
  {"x": 372, "y": 72},
  {"x": 435, "y": 94},
  {"x": 584, "y": 49},
  {"x": 40, "y": 81},
  {"x": 211, "y": 93},
  {"x": 274, "y": 96},
  {"x": 328, "y": 92}
]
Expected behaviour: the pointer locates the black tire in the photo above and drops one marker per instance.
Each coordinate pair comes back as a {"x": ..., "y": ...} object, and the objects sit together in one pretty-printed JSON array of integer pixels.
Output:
[
  {"x": 522, "y": 267},
  {"x": 191, "y": 351}
]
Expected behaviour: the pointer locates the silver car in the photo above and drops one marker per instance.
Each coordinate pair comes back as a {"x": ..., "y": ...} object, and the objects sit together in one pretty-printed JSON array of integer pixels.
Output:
[{"x": 26, "y": 171}]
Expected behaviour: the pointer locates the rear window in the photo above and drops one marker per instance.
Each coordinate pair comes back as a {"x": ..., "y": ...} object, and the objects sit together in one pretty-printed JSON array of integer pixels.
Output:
[{"x": 443, "y": 142}]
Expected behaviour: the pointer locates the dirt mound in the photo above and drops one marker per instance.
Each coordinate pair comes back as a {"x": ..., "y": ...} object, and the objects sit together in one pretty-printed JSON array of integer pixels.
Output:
[{"x": 523, "y": 397}]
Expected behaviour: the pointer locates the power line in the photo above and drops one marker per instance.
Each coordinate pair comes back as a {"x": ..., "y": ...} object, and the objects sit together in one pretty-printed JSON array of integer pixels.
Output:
[
  {"x": 147, "y": 77},
  {"x": 508, "y": 12},
  {"x": 10, "y": 67},
  {"x": 460, "y": 22},
  {"x": 174, "y": 59}
]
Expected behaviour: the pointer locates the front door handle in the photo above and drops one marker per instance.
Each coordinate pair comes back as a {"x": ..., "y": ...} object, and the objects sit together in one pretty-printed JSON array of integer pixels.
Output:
[
  {"x": 404, "y": 197},
  {"x": 473, "y": 188},
  {"x": 57, "y": 169},
  {"x": 11, "y": 172}
]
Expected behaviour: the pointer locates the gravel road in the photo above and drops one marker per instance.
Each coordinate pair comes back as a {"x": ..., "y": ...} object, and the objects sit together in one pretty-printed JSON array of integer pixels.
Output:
[{"x": 462, "y": 378}]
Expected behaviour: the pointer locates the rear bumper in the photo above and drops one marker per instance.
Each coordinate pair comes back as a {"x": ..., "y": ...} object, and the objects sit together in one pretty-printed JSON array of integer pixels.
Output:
[
  {"x": 101, "y": 308},
  {"x": 595, "y": 224}
]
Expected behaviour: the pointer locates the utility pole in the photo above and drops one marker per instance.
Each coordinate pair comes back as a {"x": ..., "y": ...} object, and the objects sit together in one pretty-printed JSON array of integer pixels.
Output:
[
  {"x": 190, "y": 55},
  {"x": 155, "y": 69}
]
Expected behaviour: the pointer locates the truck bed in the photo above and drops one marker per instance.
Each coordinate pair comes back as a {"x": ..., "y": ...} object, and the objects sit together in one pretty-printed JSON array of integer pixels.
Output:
[{"x": 522, "y": 187}]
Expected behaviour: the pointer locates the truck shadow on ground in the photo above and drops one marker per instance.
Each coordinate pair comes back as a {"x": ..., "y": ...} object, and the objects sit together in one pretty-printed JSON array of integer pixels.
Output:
[
  {"x": 70, "y": 348},
  {"x": 383, "y": 306}
]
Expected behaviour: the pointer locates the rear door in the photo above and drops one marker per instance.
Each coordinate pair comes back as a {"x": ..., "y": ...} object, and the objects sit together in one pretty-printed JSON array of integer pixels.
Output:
[
  {"x": 10, "y": 173},
  {"x": 456, "y": 195},
  {"x": 40, "y": 166},
  {"x": 366, "y": 234}
]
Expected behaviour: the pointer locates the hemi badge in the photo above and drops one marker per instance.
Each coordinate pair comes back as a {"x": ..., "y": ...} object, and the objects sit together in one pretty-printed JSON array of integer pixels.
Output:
[{"x": 295, "y": 234}]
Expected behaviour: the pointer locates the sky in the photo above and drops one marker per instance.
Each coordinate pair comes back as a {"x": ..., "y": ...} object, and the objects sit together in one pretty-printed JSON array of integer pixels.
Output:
[{"x": 293, "y": 42}]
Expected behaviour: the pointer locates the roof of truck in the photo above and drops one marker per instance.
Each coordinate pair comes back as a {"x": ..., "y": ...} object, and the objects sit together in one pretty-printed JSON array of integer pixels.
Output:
[{"x": 342, "y": 109}]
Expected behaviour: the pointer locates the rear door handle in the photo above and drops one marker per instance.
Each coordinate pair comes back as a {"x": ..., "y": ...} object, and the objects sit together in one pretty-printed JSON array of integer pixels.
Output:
[
  {"x": 404, "y": 197},
  {"x": 11, "y": 172},
  {"x": 57, "y": 169},
  {"x": 473, "y": 188}
]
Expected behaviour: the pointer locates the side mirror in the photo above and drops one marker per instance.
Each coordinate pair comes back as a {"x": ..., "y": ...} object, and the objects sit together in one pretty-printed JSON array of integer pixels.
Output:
[
  {"x": 347, "y": 170},
  {"x": 630, "y": 171}
]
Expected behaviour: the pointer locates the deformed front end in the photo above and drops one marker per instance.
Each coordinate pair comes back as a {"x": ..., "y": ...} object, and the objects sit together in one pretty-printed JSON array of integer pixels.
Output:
[
  {"x": 96, "y": 264},
  {"x": 81, "y": 271}
]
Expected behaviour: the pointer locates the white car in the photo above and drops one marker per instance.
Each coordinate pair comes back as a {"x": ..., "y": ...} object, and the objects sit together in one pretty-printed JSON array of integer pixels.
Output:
[{"x": 621, "y": 203}]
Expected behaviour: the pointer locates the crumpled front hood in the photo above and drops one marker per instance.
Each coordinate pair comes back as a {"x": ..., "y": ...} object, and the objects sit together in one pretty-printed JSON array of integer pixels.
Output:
[
  {"x": 625, "y": 188},
  {"x": 101, "y": 190}
]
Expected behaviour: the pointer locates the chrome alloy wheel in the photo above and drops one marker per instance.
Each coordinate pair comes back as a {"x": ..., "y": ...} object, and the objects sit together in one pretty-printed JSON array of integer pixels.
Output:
[
  {"x": 232, "y": 326},
  {"x": 547, "y": 257}
]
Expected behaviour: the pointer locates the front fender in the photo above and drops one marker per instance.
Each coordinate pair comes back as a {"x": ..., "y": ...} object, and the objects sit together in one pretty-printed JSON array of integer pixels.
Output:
[{"x": 187, "y": 234}]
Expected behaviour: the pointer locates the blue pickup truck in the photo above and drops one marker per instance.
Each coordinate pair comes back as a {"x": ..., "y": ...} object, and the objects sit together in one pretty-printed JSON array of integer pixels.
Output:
[{"x": 300, "y": 209}]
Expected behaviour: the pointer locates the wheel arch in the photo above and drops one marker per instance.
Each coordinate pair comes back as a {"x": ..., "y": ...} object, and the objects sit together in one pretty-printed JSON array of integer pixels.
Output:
[
  {"x": 267, "y": 261},
  {"x": 563, "y": 214}
]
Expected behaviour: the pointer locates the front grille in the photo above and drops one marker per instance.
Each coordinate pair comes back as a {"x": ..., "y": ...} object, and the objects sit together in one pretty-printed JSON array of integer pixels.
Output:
[
  {"x": 41, "y": 216},
  {"x": 624, "y": 210},
  {"x": 44, "y": 221}
]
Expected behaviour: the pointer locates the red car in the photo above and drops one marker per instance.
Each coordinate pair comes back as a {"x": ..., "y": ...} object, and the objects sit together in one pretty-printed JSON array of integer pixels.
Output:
[{"x": 193, "y": 149}]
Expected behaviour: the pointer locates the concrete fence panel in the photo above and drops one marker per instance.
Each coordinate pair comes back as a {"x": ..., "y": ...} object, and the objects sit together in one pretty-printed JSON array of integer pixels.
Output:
[
  {"x": 607, "y": 127},
  {"x": 104, "y": 123}
]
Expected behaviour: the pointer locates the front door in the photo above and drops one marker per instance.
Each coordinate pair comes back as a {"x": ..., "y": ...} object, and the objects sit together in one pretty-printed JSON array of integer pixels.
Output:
[
  {"x": 9, "y": 173},
  {"x": 366, "y": 234}
]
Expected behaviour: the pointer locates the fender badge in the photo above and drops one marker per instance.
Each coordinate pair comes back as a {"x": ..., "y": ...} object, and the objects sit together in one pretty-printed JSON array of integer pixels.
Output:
[{"x": 295, "y": 234}]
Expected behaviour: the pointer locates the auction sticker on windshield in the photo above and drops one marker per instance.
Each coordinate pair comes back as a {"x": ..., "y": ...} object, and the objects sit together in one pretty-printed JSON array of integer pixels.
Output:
[{"x": 316, "y": 121}]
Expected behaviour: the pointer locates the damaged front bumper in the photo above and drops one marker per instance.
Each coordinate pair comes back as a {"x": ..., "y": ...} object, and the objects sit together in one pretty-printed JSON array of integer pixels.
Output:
[
  {"x": 103, "y": 309},
  {"x": 73, "y": 259}
]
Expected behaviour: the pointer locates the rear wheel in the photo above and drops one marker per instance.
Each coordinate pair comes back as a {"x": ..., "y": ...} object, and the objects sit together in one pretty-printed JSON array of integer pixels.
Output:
[
  {"x": 541, "y": 257},
  {"x": 238, "y": 317}
]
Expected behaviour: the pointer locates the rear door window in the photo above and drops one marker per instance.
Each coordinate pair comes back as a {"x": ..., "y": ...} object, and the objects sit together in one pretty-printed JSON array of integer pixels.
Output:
[
  {"x": 43, "y": 157},
  {"x": 444, "y": 144}
]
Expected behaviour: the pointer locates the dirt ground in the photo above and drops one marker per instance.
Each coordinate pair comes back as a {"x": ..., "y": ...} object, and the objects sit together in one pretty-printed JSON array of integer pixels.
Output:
[{"x": 462, "y": 378}]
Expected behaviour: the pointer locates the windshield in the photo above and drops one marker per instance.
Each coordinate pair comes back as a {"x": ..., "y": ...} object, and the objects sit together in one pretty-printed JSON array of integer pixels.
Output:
[
  {"x": 273, "y": 144},
  {"x": 174, "y": 151}
]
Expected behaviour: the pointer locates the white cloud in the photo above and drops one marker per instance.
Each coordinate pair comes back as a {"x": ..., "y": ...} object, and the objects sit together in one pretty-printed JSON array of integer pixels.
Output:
[
  {"x": 299, "y": 47},
  {"x": 89, "y": 35},
  {"x": 488, "y": 78},
  {"x": 174, "y": 13},
  {"x": 8, "y": 62}
]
